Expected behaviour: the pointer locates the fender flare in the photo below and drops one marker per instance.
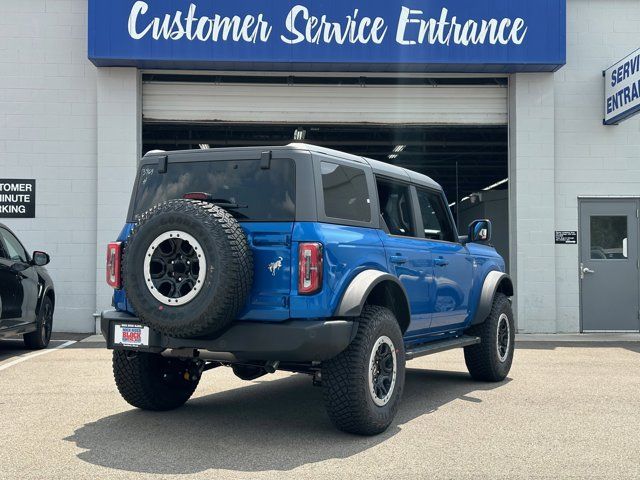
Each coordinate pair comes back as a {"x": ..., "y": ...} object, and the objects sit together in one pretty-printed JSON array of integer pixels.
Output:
[
  {"x": 492, "y": 282},
  {"x": 358, "y": 291}
]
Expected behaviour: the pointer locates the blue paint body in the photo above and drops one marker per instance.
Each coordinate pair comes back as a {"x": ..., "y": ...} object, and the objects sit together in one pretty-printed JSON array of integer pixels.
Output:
[
  {"x": 541, "y": 47},
  {"x": 442, "y": 304}
]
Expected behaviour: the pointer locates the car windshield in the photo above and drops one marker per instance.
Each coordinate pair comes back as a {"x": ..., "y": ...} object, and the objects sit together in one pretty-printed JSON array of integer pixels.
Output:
[{"x": 262, "y": 194}]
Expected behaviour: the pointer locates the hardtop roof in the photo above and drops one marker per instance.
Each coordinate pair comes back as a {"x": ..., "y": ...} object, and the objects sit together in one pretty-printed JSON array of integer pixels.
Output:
[{"x": 377, "y": 166}]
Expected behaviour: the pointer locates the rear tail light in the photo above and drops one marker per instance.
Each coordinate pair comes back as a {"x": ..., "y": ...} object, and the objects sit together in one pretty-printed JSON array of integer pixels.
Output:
[
  {"x": 309, "y": 268},
  {"x": 113, "y": 264}
]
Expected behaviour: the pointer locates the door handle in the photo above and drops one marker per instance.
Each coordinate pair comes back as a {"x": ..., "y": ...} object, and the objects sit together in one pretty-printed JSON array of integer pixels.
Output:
[
  {"x": 588, "y": 270},
  {"x": 440, "y": 262},
  {"x": 399, "y": 259}
]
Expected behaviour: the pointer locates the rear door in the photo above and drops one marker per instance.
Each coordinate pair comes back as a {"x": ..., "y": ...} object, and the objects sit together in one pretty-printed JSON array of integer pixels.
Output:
[
  {"x": 408, "y": 256},
  {"x": 259, "y": 194},
  {"x": 453, "y": 265}
]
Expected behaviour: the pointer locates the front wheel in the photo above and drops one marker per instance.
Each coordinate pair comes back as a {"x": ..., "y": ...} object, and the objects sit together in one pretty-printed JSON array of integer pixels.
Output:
[
  {"x": 363, "y": 384},
  {"x": 42, "y": 336},
  {"x": 491, "y": 359},
  {"x": 152, "y": 382}
]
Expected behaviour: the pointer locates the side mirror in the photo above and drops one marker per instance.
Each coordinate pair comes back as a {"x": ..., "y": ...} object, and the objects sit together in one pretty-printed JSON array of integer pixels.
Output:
[
  {"x": 480, "y": 231},
  {"x": 40, "y": 259}
]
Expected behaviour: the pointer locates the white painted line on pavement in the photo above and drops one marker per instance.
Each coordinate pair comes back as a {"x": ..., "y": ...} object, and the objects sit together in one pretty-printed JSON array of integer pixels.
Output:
[{"x": 35, "y": 354}]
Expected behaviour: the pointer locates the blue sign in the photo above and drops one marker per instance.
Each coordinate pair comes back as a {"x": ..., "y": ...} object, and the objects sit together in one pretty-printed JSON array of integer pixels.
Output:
[{"x": 412, "y": 35}]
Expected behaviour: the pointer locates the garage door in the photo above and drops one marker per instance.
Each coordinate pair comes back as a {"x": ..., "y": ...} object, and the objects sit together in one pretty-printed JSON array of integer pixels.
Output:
[{"x": 322, "y": 103}]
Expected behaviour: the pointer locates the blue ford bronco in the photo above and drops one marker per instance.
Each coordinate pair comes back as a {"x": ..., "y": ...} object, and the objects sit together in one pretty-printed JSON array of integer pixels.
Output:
[{"x": 302, "y": 259}]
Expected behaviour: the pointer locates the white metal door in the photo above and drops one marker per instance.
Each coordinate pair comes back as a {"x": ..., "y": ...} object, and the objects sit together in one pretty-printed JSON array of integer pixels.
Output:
[{"x": 322, "y": 103}]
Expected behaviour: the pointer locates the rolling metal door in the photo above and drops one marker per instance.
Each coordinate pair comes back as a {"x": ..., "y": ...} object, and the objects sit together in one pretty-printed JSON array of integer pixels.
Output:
[{"x": 377, "y": 104}]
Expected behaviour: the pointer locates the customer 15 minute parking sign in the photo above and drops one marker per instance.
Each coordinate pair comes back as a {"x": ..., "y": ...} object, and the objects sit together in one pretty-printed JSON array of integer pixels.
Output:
[
  {"x": 622, "y": 89},
  {"x": 17, "y": 198}
]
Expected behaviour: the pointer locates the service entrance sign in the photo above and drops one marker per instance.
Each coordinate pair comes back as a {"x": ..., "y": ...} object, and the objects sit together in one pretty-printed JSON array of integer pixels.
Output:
[
  {"x": 17, "y": 198},
  {"x": 622, "y": 89}
]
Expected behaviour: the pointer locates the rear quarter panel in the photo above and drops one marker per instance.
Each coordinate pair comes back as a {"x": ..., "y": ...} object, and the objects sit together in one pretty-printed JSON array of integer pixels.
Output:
[{"x": 347, "y": 252}]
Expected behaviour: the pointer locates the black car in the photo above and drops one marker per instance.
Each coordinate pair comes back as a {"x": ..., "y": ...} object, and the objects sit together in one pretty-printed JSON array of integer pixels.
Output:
[{"x": 27, "y": 297}]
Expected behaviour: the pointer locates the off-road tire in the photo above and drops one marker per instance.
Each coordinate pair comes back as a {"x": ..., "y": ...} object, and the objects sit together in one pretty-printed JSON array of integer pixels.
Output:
[
  {"x": 41, "y": 337},
  {"x": 345, "y": 380},
  {"x": 152, "y": 382},
  {"x": 483, "y": 360},
  {"x": 228, "y": 279}
]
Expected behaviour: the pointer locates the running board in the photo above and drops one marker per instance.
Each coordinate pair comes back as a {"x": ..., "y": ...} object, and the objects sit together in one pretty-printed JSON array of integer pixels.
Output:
[{"x": 441, "y": 346}]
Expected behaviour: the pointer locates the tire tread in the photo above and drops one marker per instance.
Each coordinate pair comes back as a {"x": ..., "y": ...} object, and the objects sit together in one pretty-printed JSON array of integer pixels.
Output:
[{"x": 481, "y": 359}]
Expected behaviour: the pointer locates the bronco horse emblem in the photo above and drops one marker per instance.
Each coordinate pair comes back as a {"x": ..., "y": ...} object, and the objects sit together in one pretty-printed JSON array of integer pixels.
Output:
[{"x": 275, "y": 266}]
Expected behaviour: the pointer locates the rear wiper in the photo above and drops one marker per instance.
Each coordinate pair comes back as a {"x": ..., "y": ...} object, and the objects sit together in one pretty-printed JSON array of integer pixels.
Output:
[
  {"x": 219, "y": 202},
  {"x": 229, "y": 205}
]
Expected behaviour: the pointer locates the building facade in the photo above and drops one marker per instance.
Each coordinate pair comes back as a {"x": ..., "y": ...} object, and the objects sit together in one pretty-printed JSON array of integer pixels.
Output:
[{"x": 514, "y": 131}]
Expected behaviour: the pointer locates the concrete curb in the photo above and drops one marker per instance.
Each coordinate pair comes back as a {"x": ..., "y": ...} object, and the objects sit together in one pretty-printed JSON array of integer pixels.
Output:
[{"x": 578, "y": 337}]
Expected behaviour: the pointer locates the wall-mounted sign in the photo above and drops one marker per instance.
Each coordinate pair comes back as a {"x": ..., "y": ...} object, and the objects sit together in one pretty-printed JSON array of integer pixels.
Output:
[
  {"x": 622, "y": 89},
  {"x": 439, "y": 35},
  {"x": 566, "y": 237},
  {"x": 17, "y": 198}
]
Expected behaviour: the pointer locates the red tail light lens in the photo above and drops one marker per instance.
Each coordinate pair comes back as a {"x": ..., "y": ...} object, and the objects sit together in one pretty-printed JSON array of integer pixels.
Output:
[
  {"x": 113, "y": 264},
  {"x": 309, "y": 268}
]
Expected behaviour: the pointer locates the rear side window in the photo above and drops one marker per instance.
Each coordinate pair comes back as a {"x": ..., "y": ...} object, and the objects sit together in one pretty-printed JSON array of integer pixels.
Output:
[
  {"x": 259, "y": 194},
  {"x": 395, "y": 207},
  {"x": 435, "y": 218},
  {"x": 345, "y": 192}
]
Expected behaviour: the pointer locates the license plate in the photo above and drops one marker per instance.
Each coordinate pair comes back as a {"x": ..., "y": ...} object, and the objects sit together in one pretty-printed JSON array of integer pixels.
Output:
[{"x": 131, "y": 335}]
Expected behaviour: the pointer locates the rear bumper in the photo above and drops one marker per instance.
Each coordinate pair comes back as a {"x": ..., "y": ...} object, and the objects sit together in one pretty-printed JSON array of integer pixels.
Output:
[{"x": 290, "y": 341}]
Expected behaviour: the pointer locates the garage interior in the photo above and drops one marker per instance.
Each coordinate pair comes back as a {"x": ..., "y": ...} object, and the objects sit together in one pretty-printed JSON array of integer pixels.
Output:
[{"x": 470, "y": 161}]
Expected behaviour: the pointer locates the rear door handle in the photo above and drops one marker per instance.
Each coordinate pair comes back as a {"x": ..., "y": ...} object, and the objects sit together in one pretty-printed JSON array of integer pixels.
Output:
[
  {"x": 440, "y": 262},
  {"x": 399, "y": 259}
]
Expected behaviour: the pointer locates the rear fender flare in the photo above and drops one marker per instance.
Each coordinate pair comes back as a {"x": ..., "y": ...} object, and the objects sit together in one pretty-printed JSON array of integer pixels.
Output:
[
  {"x": 494, "y": 281},
  {"x": 358, "y": 291}
]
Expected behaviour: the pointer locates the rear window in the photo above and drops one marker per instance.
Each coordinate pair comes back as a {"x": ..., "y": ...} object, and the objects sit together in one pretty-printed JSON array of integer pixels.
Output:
[
  {"x": 260, "y": 195},
  {"x": 345, "y": 192}
]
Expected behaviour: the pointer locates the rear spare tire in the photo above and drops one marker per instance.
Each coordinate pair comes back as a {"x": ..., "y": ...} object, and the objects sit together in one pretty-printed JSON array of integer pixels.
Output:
[{"x": 187, "y": 268}]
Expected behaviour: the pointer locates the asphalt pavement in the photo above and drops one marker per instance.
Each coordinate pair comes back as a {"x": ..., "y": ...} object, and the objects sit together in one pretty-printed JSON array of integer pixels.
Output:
[{"x": 567, "y": 410}]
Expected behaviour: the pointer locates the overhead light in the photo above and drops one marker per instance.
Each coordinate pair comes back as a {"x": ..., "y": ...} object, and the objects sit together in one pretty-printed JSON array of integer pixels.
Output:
[
  {"x": 299, "y": 134},
  {"x": 497, "y": 184},
  {"x": 463, "y": 199},
  {"x": 392, "y": 156},
  {"x": 398, "y": 148},
  {"x": 452, "y": 204},
  {"x": 204, "y": 146}
]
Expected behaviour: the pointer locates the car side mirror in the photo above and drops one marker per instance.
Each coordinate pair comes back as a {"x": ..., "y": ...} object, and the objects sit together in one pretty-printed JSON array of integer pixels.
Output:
[
  {"x": 40, "y": 259},
  {"x": 480, "y": 231}
]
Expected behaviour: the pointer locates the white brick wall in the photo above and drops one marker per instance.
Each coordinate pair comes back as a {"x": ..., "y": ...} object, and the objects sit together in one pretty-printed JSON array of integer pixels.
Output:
[
  {"x": 48, "y": 132},
  {"x": 591, "y": 159},
  {"x": 119, "y": 124},
  {"x": 532, "y": 160}
]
